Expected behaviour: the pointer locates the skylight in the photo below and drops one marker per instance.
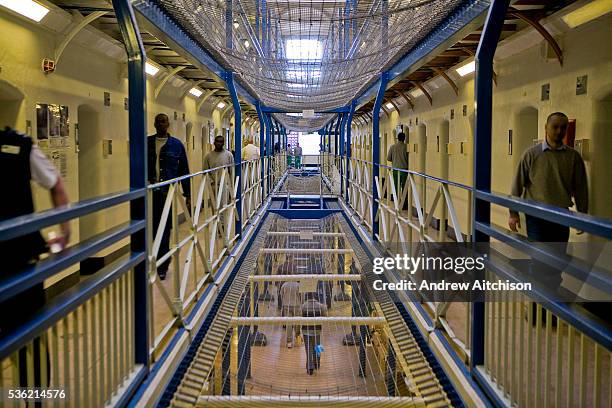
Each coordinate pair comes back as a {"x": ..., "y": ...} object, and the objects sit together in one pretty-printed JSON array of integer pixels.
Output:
[{"x": 304, "y": 49}]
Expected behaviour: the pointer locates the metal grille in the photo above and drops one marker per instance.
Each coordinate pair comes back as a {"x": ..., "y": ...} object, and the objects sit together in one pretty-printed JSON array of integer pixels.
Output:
[{"x": 345, "y": 44}]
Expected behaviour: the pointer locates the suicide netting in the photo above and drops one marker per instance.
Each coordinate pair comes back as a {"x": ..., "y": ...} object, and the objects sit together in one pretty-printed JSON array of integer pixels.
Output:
[{"x": 298, "y": 54}]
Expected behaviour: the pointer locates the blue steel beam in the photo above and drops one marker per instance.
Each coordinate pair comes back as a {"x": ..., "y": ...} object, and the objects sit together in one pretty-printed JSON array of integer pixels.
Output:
[
  {"x": 229, "y": 80},
  {"x": 384, "y": 78},
  {"x": 136, "y": 58},
  {"x": 483, "y": 118},
  {"x": 342, "y": 148},
  {"x": 262, "y": 129},
  {"x": 349, "y": 122},
  {"x": 337, "y": 134}
]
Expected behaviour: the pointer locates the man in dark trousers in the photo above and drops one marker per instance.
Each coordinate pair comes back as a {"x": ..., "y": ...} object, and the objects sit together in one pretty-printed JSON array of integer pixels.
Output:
[
  {"x": 24, "y": 161},
  {"x": 398, "y": 156},
  {"x": 552, "y": 173},
  {"x": 312, "y": 333},
  {"x": 166, "y": 160}
]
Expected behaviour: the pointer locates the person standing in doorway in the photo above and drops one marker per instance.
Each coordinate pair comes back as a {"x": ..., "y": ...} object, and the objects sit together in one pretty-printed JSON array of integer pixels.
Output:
[
  {"x": 398, "y": 156},
  {"x": 551, "y": 173},
  {"x": 167, "y": 160}
]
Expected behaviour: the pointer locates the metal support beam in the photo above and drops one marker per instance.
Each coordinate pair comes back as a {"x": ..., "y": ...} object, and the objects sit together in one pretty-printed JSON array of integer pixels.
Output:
[
  {"x": 137, "y": 101},
  {"x": 483, "y": 118},
  {"x": 262, "y": 129},
  {"x": 165, "y": 80},
  {"x": 337, "y": 134},
  {"x": 407, "y": 99},
  {"x": 424, "y": 90},
  {"x": 204, "y": 98},
  {"x": 342, "y": 145},
  {"x": 380, "y": 96},
  {"x": 543, "y": 32},
  {"x": 307, "y": 251},
  {"x": 325, "y": 277},
  {"x": 229, "y": 80},
  {"x": 332, "y": 320},
  {"x": 448, "y": 79},
  {"x": 59, "y": 50}
]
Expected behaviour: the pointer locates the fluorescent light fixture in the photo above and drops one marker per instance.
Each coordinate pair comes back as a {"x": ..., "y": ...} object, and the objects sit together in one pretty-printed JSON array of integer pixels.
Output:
[
  {"x": 195, "y": 92},
  {"x": 304, "y": 49},
  {"x": 27, "y": 8},
  {"x": 416, "y": 93},
  {"x": 389, "y": 105},
  {"x": 293, "y": 96},
  {"x": 294, "y": 114},
  {"x": 467, "y": 69},
  {"x": 588, "y": 12},
  {"x": 150, "y": 69},
  {"x": 220, "y": 105},
  {"x": 297, "y": 85}
]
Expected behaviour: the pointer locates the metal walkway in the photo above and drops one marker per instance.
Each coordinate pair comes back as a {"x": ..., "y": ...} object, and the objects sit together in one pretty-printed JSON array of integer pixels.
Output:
[{"x": 375, "y": 360}]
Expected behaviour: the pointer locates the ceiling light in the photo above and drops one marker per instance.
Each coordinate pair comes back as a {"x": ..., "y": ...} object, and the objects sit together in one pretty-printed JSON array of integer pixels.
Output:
[
  {"x": 295, "y": 115},
  {"x": 297, "y": 85},
  {"x": 195, "y": 92},
  {"x": 150, "y": 69},
  {"x": 304, "y": 49},
  {"x": 236, "y": 25},
  {"x": 292, "y": 96},
  {"x": 588, "y": 12},
  {"x": 389, "y": 105},
  {"x": 220, "y": 105},
  {"x": 247, "y": 44},
  {"x": 467, "y": 69},
  {"x": 27, "y": 8}
]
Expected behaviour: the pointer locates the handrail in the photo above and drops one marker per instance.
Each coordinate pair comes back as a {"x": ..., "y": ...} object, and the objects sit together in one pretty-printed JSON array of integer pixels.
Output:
[
  {"x": 19, "y": 226},
  {"x": 54, "y": 264},
  {"x": 63, "y": 305},
  {"x": 585, "y": 222}
]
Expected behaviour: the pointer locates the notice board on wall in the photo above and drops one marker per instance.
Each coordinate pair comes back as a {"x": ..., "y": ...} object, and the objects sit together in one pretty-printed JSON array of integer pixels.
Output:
[{"x": 52, "y": 130}]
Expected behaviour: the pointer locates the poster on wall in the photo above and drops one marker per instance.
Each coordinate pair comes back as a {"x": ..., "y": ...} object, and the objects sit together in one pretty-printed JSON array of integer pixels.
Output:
[{"x": 52, "y": 130}]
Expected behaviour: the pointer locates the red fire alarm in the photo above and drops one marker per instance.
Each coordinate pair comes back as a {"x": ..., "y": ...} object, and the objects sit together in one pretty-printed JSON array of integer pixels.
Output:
[{"x": 48, "y": 65}]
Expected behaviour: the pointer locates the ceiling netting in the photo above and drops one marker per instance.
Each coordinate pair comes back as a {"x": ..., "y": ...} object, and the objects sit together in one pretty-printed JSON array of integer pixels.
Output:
[{"x": 305, "y": 54}]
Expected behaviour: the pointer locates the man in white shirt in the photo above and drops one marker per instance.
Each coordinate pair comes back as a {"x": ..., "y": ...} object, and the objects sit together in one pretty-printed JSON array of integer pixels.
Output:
[
  {"x": 250, "y": 151},
  {"x": 218, "y": 158}
]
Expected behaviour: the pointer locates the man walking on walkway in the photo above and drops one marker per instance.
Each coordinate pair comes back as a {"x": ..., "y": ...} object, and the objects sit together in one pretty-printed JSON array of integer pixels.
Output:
[
  {"x": 552, "y": 173},
  {"x": 166, "y": 160}
]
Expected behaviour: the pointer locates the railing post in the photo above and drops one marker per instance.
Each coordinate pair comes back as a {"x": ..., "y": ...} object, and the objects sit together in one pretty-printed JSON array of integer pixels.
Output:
[
  {"x": 483, "y": 112},
  {"x": 136, "y": 58},
  {"x": 384, "y": 79},
  {"x": 229, "y": 80},
  {"x": 348, "y": 148},
  {"x": 268, "y": 119},
  {"x": 262, "y": 129},
  {"x": 342, "y": 153}
]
